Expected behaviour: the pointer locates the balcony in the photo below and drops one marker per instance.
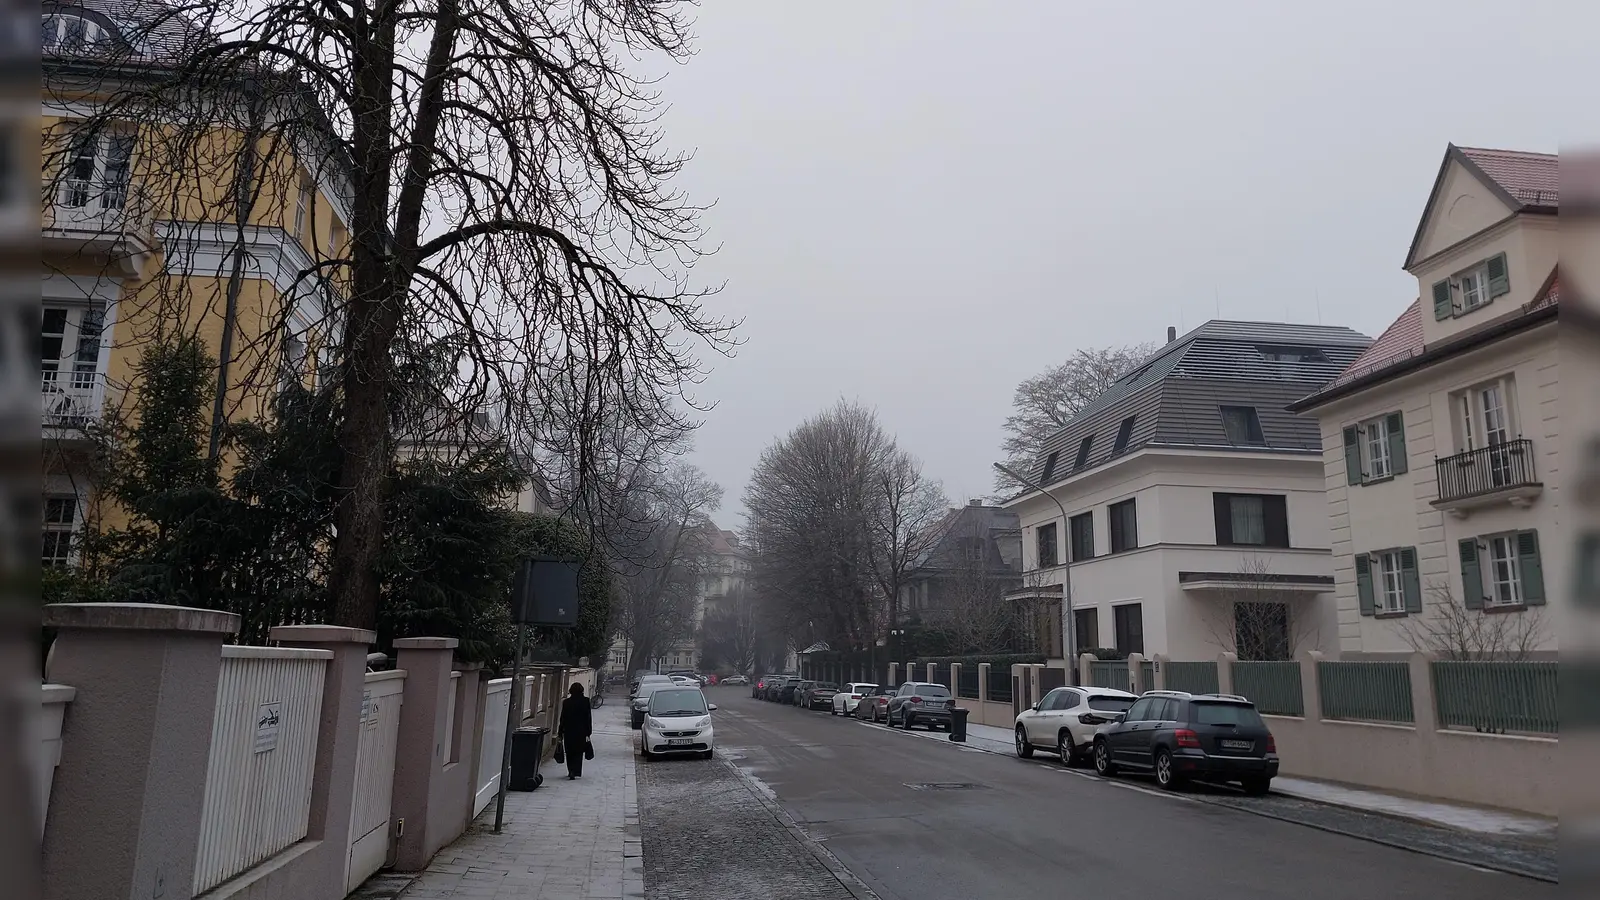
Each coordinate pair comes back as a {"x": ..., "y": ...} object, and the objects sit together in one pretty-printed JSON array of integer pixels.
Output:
[
  {"x": 70, "y": 401},
  {"x": 1488, "y": 476},
  {"x": 99, "y": 219}
]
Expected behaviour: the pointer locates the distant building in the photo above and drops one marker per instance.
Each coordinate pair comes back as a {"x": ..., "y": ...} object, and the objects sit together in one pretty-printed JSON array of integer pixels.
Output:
[
  {"x": 723, "y": 568},
  {"x": 1442, "y": 444},
  {"x": 962, "y": 579},
  {"x": 1196, "y": 518}
]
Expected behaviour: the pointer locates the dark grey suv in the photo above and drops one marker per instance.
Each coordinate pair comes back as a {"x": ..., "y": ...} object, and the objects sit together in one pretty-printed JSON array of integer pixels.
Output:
[
  {"x": 920, "y": 703},
  {"x": 1181, "y": 737}
]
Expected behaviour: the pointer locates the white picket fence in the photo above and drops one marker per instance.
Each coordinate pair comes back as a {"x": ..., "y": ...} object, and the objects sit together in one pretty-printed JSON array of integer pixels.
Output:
[
  {"x": 375, "y": 757},
  {"x": 52, "y": 712},
  {"x": 263, "y": 746},
  {"x": 497, "y": 704}
]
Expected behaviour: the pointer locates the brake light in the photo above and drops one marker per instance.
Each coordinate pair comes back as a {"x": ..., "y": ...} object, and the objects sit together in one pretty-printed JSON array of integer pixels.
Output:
[
  {"x": 855, "y": 696},
  {"x": 916, "y": 699},
  {"x": 1186, "y": 738},
  {"x": 1272, "y": 744}
]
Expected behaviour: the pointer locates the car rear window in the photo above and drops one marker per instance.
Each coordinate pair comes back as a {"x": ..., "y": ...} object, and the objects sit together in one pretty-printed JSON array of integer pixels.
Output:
[
  {"x": 827, "y": 686},
  {"x": 1111, "y": 704},
  {"x": 1227, "y": 714},
  {"x": 932, "y": 690}
]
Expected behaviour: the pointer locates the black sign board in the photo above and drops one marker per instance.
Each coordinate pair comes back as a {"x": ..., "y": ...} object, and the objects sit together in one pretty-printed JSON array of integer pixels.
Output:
[{"x": 545, "y": 592}]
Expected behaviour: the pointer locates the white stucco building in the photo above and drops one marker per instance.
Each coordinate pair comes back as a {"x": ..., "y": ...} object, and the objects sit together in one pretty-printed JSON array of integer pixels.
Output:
[
  {"x": 1195, "y": 512},
  {"x": 1443, "y": 443}
]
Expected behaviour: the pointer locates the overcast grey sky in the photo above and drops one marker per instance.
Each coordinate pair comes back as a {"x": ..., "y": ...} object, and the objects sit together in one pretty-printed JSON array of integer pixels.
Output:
[{"x": 921, "y": 203}]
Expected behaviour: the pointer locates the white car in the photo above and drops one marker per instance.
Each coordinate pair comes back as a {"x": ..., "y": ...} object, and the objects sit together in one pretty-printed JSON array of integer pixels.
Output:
[
  {"x": 845, "y": 702},
  {"x": 1064, "y": 721},
  {"x": 677, "y": 720},
  {"x": 685, "y": 681},
  {"x": 733, "y": 679}
]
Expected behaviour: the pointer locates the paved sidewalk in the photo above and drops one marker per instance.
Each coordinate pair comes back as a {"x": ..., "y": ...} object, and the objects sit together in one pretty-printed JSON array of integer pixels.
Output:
[{"x": 568, "y": 840}]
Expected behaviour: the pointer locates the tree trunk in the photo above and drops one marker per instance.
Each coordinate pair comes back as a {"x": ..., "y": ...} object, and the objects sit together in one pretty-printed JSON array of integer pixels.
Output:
[{"x": 364, "y": 440}]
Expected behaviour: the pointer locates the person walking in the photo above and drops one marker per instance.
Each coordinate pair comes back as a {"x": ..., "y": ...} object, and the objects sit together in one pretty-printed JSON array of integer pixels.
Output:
[{"x": 575, "y": 729}]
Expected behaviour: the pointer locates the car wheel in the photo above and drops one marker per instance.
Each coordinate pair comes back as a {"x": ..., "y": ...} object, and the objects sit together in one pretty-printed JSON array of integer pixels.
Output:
[
  {"x": 1065, "y": 747},
  {"x": 1102, "y": 759},
  {"x": 1167, "y": 771},
  {"x": 833, "y": 710},
  {"x": 1257, "y": 787},
  {"x": 645, "y": 754},
  {"x": 908, "y": 721},
  {"x": 1024, "y": 748}
]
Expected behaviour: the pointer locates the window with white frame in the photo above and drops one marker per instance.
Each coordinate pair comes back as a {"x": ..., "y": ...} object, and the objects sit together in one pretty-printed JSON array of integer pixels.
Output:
[
  {"x": 1504, "y": 574},
  {"x": 1391, "y": 594},
  {"x": 1376, "y": 461},
  {"x": 69, "y": 347},
  {"x": 69, "y": 33},
  {"x": 98, "y": 171},
  {"x": 1483, "y": 414},
  {"x": 1471, "y": 288},
  {"x": 60, "y": 515},
  {"x": 302, "y": 205}
]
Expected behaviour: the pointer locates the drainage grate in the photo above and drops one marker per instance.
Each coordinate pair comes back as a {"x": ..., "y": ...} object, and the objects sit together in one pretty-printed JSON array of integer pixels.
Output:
[{"x": 942, "y": 786}]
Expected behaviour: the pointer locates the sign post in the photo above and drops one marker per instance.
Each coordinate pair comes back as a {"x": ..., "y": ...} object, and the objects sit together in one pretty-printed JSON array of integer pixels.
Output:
[{"x": 545, "y": 593}]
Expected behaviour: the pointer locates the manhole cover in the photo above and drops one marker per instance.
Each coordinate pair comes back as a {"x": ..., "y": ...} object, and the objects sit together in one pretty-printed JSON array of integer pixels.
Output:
[{"x": 942, "y": 786}]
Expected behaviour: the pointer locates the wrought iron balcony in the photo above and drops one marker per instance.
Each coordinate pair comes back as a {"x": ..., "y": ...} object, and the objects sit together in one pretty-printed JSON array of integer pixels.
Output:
[{"x": 1499, "y": 473}]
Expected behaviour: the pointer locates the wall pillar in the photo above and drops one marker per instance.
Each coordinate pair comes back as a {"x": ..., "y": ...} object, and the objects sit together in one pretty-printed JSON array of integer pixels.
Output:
[
  {"x": 894, "y": 672},
  {"x": 955, "y": 681},
  {"x": 1160, "y": 661},
  {"x": 1225, "y": 663},
  {"x": 422, "y": 752},
  {"x": 933, "y": 669},
  {"x": 124, "y": 817},
  {"x": 1136, "y": 683},
  {"x": 1086, "y": 668},
  {"x": 983, "y": 681}
]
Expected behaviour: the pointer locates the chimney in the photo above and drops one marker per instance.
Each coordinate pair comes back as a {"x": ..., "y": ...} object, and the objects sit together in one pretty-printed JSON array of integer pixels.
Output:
[{"x": 1172, "y": 334}]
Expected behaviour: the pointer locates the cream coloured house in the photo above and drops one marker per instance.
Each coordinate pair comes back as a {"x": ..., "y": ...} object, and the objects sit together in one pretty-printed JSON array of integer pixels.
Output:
[{"x": 1443, "y": 441}]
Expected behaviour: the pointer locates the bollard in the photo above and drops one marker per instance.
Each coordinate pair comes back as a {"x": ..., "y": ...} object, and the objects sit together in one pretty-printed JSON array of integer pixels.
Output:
[{"x": 958, "y": 725}]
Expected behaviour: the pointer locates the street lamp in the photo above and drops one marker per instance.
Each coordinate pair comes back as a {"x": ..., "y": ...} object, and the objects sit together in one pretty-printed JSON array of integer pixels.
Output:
[{"x": 1066, "y": 569}]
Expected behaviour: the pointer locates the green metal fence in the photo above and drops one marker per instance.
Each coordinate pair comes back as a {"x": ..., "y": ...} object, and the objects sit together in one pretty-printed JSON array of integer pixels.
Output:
[
  {"x": 1274, "y": 687},
  {"x": 1497, "y": 697},
  {"x": 1194, "y": 677},
  {"x": 1366, "y": 691},
  {"x": 1147, "y": 675},
  {"x": 1109, "y": 673}
]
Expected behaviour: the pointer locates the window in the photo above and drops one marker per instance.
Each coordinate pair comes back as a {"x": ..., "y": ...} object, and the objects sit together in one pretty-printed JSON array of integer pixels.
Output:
[
  {"x": 1162, "y": 709},
  {"x": 1469, "y": 289},
  {"x": 1124, "y": 433},
  {"x": 302, "y": 205},
  {"x": 1124, "y": 525},
  {"x": 1110, "y": 704},
  {"x": 1252, "y": 519},
  {"x": 1375, "y": 449},
  {"x": 64, "y": 33},
  {"x": 1083, "y": 453},
  {"x": 1241, "y": 425},
  {"x": 931, "y": 690},
  {"x": 1236, "y": 714},
  {"x": 98, "y": 171},
  {"x": 1483, "y": 414},
  {"x": 1049, "y": 467},
  {"x": 1047, "y": 545},
  {"x": 1387, "y": 582},
  {"x": 1139, "y": 711},
  {"x": 1081, "y": 527},
  {"x": 70, "y": 334},
  {"x": 60, "y": 514},
  {"x": 1129, "y": 621},
  {"x": 1060, "y": 698},
  {"x": 1284, "y": 353},
  {"x": 1086, "y": 629},
  {"x": 1502, "y": 570}
]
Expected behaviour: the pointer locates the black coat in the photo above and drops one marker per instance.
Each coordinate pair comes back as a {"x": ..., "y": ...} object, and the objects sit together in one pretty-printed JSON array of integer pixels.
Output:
[{"x": 577, "y": 719}]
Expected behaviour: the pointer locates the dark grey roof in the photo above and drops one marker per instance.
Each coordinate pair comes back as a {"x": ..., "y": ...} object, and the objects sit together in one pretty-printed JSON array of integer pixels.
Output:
[
  {"x": 998, "y": 528},
  {"x": 1175, "y": 394}
]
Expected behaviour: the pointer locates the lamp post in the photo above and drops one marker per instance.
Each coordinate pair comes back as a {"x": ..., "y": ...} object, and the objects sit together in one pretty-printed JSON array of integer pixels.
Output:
[{"x": 1066, "y": 570}]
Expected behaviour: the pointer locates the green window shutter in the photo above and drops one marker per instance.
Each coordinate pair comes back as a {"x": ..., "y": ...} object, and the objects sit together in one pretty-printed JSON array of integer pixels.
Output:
[
  {"x": 1352, "y": 455},
  {"x": 1410, "y": 583},
  {"x": 1364, "y": 583},
  {"x": 1397, "y": 443},
  {"x": 1471, "y": 575},
  {"x": 1499, "y": 277},
  {"x": 1532, "y": 568},
  {"x": 1443, "y": 306}
]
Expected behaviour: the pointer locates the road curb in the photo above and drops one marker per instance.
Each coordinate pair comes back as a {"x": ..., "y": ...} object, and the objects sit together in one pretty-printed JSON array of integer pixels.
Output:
[{"x": 857, "y": 888}]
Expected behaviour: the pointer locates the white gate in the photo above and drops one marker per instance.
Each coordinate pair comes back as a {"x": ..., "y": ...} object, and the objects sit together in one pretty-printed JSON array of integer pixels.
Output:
[
  {"x": 494, "y": 736},
  {"x": 369, "y": 815}
]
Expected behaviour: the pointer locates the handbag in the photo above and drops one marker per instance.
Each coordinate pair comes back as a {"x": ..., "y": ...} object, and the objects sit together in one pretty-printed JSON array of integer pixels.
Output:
[
  {"x": 588, "y": 750},
  {"x": 561, "y": 753}
]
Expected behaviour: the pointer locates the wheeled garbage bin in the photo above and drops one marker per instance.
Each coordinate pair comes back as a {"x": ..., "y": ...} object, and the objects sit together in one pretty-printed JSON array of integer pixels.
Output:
[
  {"x": 958, "y": 725},
  {"x": 527, "y": 748}
]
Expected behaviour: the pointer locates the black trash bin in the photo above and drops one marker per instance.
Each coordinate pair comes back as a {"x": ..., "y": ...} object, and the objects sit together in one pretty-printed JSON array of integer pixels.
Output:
[
  {"x": 958, "y": 725},
  {"x": 527, "y": 748}
]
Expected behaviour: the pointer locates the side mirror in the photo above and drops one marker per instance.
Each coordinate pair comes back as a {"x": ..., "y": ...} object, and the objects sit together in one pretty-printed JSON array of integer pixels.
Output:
[
  {"x": 711, "y": 706},
  {"x": 1036, "y": 705}
]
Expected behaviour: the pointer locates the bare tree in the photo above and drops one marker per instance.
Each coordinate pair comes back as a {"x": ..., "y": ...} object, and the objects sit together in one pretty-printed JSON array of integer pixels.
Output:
[
  {"x": 905, "y": 522},
  {"x": 732, "y": 631},
  {"x": 1450, "y": 631},
  {"x": 1254, "y": 620},
  {"x": 499, "y": 177},
  {"x": 1045, "y": 402},
  {"x": 967, "y": 587},
  {"x": 659, "y": 566}
]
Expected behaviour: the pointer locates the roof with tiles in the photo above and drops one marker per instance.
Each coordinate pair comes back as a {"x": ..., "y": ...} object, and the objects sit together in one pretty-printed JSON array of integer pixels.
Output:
[
  {"x": 1533, "y": 179},
  {"x": 1174, "y": 397}
]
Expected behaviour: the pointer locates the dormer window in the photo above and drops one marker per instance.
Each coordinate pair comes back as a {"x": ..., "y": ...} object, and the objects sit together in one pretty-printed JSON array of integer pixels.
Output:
[
  {"x": 67, "y": 32},
  {"x": 1467, "y": 290}
]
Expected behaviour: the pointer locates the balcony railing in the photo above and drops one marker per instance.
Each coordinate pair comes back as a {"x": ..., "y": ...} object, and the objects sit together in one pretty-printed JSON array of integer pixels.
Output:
[
  {"x": 71, "y": 399},
  {"x": 1487, "y": 471},
  {"x": 99, "y": 217}
]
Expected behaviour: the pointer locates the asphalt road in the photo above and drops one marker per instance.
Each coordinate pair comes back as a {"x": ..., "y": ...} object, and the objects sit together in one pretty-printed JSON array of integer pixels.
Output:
[{"x": 916, "y": 819}]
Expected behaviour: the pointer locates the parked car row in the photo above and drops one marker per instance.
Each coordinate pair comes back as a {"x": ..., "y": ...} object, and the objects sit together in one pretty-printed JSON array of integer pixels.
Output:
[
  {"x": 672, "y": 717},
  {"x": 912, "y": 704},
  {"x": 1176, "y": 736}
]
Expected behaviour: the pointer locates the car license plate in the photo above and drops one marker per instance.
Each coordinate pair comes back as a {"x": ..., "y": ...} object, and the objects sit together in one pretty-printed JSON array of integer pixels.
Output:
[
  {"x": 1238, "y": 745},
  {"x": 679, "y": 742}
]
